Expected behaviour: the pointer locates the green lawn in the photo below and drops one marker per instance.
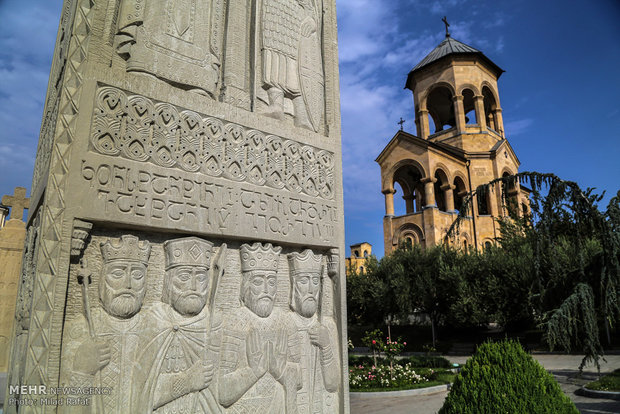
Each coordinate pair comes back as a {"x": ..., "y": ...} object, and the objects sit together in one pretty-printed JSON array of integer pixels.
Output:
[{"x": 610, "y": 382}]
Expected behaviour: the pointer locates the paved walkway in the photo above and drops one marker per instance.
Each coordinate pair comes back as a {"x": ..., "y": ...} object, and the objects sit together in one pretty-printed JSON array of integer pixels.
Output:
[{"x": 563, "y": 367}]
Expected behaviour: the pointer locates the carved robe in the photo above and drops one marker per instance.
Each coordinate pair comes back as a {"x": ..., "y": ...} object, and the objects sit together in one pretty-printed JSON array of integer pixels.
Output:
[
  {"x": 174, "y": 344},
  {"x": 319, "y": 368},
  {"x": 123, "y": 338},
  {"x": 175, "y": 40},
  {"x": 266, "y": 395}
]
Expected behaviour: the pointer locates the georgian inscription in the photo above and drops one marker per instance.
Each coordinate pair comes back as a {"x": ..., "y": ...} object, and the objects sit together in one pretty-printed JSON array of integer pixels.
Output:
[
  {"x": 192, "y": 202},
  {"x": 139, "y": 129}
]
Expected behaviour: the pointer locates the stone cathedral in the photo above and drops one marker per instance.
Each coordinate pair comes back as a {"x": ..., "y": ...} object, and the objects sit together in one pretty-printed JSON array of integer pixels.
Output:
[
  {"x": 186, "y": 218},
  {"x": 455, "y": 90}
]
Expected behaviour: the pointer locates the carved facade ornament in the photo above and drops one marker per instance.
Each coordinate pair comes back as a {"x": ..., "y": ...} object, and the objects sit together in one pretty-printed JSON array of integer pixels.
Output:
[
  {"x": 178, "y": 41},
  {"x": 139, "y": 129},
  {"x": 292, "y": 62},
  {"x": 176, "y": 368},
  {"x": 81, "y": 231},
  {"x": 317, "y": 336},
  {"x": 104, "y": 340}
]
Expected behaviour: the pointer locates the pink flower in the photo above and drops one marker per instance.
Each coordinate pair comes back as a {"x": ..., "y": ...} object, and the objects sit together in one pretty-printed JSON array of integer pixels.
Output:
[
  {"x": 404, "y": 343},
  {"x": 374, "y": 342}
]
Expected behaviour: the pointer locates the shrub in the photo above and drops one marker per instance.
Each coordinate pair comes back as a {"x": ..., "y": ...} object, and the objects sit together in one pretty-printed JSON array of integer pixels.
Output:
[
  {"x": 428, "y": 362},
  {"x": 502, "y": 378}
]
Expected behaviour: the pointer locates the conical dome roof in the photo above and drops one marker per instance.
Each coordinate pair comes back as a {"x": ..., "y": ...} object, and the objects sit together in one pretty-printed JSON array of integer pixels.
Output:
[{"x": 448, "y": 47}]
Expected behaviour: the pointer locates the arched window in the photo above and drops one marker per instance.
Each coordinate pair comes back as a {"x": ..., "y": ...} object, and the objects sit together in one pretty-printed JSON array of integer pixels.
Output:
[
  {"x": 441, "y": 108},
  {"x": 362, "y": 270},
  {"x": 459, "y": 193},
  {"x": 356, "y": 253},
  {"x": 490, "y": 105},
  {"x": 408, "y": 179},
  {"x": 365, "y": 253},
  {"x": 441, "y": 180},
  {"x": 469, "y": 106}
]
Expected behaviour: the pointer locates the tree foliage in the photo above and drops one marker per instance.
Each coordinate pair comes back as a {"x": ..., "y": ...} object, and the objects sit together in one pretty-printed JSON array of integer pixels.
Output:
[
  {"x": 575, "y": 251},
  {"x": 503, "y": 378}
]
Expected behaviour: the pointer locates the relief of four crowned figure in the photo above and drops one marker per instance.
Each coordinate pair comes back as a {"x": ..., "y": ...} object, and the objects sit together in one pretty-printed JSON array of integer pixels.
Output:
[{"x": 182, "y": 354}]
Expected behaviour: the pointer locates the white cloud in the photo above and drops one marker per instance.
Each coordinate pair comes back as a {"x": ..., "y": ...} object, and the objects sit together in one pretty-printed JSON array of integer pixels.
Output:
[{"x": 517, "y": 127}]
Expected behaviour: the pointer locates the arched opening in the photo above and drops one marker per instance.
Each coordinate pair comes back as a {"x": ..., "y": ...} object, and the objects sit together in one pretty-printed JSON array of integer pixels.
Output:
[
  {"x": 484, "y": 204},
  {"x": 459, "y": 193},
  {"x": 365, "y": 253},
  {"x": 362, "y": 270},
  {"x": 488, "y": 245},
  {"x": 441, "y": 108},
  {"x": 469, "y": 106},
  {"x": 408, "y": 179},
  {"x": 356, "y": 253},
  {"x": 441, "y": 181},
  {"x": 490, "y": 105},
  {"x": 509, "y": 188}
]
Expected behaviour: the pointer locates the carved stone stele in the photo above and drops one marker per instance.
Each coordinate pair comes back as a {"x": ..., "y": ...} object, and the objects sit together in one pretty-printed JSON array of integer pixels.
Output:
[{"x": 183, "y": 237}]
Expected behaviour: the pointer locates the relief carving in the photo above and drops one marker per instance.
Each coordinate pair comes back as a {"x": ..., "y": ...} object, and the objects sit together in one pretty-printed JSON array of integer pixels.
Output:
[
  {"x": 317, "y": 336},
  {"x": 258, "y": 342},
  {"x": 159, "y": 344},
  {"x": 178, "y": 41},
  {"x": 176, "y": 368},
  {"x": 292, "y": 61},
  {"x": 105, "y": 339},
  {"x": 139, "y": 129}
]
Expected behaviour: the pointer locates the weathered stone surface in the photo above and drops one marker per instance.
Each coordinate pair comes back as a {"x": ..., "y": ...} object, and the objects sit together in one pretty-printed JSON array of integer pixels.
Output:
[{"x": 183, "y": 239}]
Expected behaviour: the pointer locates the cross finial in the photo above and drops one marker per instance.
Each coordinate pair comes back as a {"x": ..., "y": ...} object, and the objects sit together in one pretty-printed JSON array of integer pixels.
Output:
[
  {"x": 401, "y": 122},
  {"x": 445, "y": 21},
  {"x": 18, "y": 202}
]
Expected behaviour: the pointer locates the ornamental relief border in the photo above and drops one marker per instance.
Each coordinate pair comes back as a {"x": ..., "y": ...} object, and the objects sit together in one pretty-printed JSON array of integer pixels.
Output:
[{"x": 141, "y": 129}]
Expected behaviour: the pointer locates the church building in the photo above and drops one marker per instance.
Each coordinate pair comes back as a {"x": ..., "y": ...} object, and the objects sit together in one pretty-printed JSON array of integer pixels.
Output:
[{"x": 459, "y": 144}]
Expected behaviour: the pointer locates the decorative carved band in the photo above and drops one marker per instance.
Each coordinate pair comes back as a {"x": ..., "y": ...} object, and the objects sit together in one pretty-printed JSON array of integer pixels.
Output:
[{"x": 137, "y": 128}]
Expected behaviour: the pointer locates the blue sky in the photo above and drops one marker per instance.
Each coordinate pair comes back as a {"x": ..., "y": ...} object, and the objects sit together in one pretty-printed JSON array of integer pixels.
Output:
[{"x": 560, "y": 94}]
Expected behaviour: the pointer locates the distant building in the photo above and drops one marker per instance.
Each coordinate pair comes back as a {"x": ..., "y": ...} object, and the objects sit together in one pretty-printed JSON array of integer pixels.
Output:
[
  {"x": 455, "y": 89},
  {"x": 356, "y": 264}
]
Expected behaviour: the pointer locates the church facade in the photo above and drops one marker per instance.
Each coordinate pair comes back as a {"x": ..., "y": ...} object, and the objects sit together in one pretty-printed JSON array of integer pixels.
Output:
[{"x": 459, "y": 144}]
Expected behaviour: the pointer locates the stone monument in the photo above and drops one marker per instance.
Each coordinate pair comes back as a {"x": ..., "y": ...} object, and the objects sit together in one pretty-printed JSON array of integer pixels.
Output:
[
  {"x": 12, "y": 236},
  {"x": 186, "y": 221}
]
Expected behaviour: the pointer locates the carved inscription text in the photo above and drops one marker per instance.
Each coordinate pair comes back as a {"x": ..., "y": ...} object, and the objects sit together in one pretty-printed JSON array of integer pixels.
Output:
[{"x": 189, "y": 201}]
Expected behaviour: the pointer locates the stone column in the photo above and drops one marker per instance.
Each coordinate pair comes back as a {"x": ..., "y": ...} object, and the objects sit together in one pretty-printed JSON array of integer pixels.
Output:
[
  {"x": 423, "y": 128},
  {"x": 409, "y": 203},
  {"x": 480, "y": 115},
  {"x": 449, "y": 197},
  {"x": 499, "y": 121},
  {"x": 389, "y": 201},
  {"x": 459, "y": 113},
  {"x": 429, "y": 192}
]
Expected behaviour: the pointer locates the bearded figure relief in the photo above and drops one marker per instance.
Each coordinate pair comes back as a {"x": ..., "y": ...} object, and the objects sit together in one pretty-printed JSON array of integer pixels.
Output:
[
  {"x": 292, "y": 62},
  {"x": 178, "y": 41},
  {"x": 176, "y": 367},
  {"x": 258, "y": 348},
  {"x": 105, "y": 340},
  {"x": 316, "y": 334}
]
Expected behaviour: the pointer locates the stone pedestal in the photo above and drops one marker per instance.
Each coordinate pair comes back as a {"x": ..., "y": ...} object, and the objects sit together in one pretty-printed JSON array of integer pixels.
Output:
[{"x": 187, "y": 217}]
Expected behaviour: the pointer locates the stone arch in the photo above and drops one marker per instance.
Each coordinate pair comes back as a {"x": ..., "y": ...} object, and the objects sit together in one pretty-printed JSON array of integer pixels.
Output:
[
  {"x": 408, "y": 230},
  {"x": 460, "y": 190},
  {"x": 469, "y": 106},
  {"x": 438, "y": 100},
  {"x": 465, "y": 240},
  {"x": 490, "y": 103},
  {"x": 408, "y": 174},
  {"x": 441, "y": 185},
  {"x": 471, "y": 86},
  {"x": 388, "y": 181}
]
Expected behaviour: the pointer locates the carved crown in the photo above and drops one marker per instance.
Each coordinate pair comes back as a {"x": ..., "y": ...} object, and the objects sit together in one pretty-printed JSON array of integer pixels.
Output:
[
  {"x": 304, "y": 262},
  {"x": 259, "y": 257},
  {"x": 127, "y": 248},
  {"x": 188, "y": 251}
]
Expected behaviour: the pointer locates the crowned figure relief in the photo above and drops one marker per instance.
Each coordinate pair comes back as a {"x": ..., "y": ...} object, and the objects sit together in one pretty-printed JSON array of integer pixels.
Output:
[
  {"x": 257, "y": 352},
  {"x": 292, "y": 62},
  {"x": 178, "y": 41},
  {"x": 176, "y": 365},
  {"x": 104, "y": 341},
  {"x": 317, "y": 336}
]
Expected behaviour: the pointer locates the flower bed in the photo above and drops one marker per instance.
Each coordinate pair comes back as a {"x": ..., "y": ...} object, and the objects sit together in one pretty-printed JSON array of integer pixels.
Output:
[
  {"x": 610, "y": 382},
  {"x": 368, "y": 377}
]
